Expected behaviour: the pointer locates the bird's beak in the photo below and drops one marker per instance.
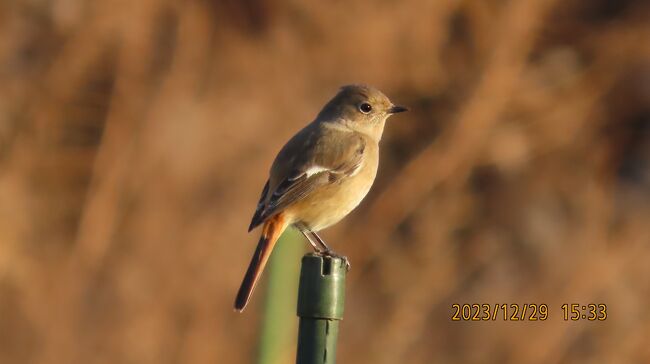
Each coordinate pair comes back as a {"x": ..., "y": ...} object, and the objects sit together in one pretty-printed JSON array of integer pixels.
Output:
[{"x": 396, "y": 109}]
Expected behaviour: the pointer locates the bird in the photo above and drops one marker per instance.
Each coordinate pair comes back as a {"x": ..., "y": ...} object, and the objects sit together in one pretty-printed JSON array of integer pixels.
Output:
[{"x": 320, "y": 175}]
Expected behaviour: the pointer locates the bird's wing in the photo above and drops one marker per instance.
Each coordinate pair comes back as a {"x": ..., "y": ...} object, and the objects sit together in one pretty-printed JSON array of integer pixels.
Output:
[
  {"x": 260, "y": 208},
  {"x": 307, "y": 163}
]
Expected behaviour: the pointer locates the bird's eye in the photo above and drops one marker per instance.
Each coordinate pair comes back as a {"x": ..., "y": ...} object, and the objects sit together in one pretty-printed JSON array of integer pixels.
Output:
[{"x": 365, "y": 108}]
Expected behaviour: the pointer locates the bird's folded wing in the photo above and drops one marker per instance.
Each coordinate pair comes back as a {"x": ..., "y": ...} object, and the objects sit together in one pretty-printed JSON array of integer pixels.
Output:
[{"x": 329, "y": 160}]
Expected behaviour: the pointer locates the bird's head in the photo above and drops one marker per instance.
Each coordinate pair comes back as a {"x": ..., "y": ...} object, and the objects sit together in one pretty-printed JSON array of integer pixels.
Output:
[{"x": 361, "y": 108}]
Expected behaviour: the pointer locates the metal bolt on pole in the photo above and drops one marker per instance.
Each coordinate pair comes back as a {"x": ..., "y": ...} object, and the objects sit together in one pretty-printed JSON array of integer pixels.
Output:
[{"x": 321, "y": 297}]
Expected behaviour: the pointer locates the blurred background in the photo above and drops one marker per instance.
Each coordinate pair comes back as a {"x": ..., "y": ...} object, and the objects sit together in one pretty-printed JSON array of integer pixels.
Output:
[{"x": 135, "y": 138}]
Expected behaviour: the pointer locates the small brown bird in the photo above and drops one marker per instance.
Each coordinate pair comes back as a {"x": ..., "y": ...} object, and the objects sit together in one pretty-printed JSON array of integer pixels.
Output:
[{"x": 320, "y": 175}]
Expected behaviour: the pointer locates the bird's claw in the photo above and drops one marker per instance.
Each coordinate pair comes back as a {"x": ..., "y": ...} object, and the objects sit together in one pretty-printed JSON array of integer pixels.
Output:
[{"x": 333, "y": 254}]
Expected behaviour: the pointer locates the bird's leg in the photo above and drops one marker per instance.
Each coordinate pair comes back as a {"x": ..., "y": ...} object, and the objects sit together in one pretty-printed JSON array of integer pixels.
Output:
[
  {"x": 329, "y": 252},
  {"x": 319, "y": 244},
  {"x": 315, "y": 242}
]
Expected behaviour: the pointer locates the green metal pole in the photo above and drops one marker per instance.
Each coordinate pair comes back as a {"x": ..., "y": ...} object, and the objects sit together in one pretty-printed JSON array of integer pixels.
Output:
[
  {"x": 278, "y": 339},
  {"x": 321, "y": 296}
]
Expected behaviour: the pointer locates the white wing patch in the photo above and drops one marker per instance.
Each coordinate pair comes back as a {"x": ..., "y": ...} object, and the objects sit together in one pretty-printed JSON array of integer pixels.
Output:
[
  {"x": 309, "y": 172},
  {"x": 315, "y": 169}
]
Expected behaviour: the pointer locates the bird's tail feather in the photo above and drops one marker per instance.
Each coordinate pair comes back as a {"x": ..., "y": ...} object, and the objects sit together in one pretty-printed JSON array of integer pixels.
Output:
[{"x": 271, "y": 231}]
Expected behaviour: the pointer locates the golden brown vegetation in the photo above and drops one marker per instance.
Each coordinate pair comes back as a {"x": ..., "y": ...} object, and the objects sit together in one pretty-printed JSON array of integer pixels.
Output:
[{"x": 135, "y": 137}]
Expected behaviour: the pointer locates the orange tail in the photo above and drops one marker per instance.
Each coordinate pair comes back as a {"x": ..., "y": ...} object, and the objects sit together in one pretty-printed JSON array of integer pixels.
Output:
[{"x": 271, "y": 231}]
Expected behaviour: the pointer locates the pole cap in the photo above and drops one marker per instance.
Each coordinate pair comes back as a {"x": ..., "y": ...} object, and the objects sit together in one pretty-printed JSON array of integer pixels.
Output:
[{"x": 321, "y": 294}]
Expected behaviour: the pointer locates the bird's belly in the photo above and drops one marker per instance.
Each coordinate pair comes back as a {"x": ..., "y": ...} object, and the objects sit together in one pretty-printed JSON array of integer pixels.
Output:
[{"x": 330, "y": 204}]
